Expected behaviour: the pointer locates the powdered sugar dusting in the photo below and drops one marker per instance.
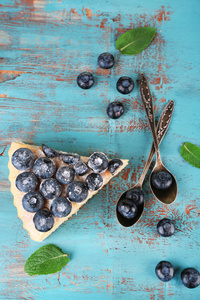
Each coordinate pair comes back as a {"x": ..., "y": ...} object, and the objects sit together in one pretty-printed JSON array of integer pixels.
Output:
[
  {"x": 61, "y": 207},
  {"x": 98, "y": 161}
]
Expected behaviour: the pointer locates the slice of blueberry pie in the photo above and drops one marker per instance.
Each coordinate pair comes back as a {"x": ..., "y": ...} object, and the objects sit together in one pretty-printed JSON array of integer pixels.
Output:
[{"x": 50, "y": 186}]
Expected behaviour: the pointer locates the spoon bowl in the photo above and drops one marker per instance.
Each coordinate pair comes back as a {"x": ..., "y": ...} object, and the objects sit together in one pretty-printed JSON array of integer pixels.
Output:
[
  {"x": 125, "y": 221},
  {"x": 166, "y": 196}
]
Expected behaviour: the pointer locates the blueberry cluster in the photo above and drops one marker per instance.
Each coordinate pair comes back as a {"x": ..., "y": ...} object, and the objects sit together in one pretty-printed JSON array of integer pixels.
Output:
[
  {"x": 42, "y": 181},
  {"x": 190, "y": 277},
  {"x": 164, "y": 270},
  {"x": 125, "y": 85},
  {"x": 129, "y": 206}
]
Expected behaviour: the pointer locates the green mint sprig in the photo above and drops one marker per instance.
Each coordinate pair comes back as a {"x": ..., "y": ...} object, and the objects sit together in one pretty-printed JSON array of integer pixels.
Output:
[
  {"x": 191, "y": 153},
  {"x": 135, "y": 40},
  {"x": 48, "y": 259}
]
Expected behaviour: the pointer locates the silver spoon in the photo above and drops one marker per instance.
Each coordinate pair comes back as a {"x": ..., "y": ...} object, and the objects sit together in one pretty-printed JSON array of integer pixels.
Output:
[
  {"x": 166, "y": 196},
  {"x": 162, "y": 127}
]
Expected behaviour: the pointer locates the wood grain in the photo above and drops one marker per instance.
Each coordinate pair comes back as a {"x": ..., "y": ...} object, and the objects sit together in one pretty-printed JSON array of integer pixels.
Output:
[{"x": 44, "y": 45}]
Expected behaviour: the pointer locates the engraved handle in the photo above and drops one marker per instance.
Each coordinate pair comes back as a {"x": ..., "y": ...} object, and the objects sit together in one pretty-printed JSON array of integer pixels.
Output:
[
  {"x": 162, "y": 127},
  {"x": 164, "y": 121},
  {"x": 148, "y": 105}
]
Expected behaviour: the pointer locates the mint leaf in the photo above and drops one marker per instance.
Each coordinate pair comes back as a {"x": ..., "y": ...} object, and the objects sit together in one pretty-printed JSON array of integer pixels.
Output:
[
  {"x": 135, "y": 40},
  {"x": 191, "y": 153},
  {"x": 46, "y": 260}
]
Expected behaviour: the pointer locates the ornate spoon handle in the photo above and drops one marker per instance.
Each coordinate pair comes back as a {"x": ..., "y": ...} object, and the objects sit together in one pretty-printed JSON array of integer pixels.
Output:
[
  {"x": 162, "y": 127},
  {"x": 148, "y": 105}
]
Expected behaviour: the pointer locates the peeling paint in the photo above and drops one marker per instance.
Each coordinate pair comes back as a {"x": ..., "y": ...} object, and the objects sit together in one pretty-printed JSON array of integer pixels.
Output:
[
  {"x": 52, "y": 42},
  {"x": 8, "y": 75},
  {"x": 2, "y": 153}
]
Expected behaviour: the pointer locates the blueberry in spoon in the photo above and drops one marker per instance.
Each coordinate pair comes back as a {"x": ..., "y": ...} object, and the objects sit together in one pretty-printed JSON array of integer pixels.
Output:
[
  {"x": 136, "y": 195},
  {"x": 127, "y": 208},
  {"x": 161, "y": 180}
]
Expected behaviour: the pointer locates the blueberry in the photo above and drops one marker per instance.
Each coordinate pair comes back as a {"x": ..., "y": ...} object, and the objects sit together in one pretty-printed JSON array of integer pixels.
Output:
[
  {"x": 106, "y": 60},
  {"x": 26, "y": 182},
  {"x": 32, "y": 201},
  {"x": 50, "y": 188},
  {"x": 44, "y": 167},
  {"x": 190, "y": 278},
  {"x": 161, "y": 180},
  {"x": 77, "y": 191},
  {"x": 94, "y": 181},
  {"x": 65, "y": 175},
  {"x": 164, "y": 270},
  {"x": 85, "y": 80},
  {"x": 136, "y": 195},
  {"x": 114, "y": 165},
  {"x": 127, "y": 208},
  {"x": 80, "y": 168},
  {"x": 49, "y": 152},
  {"x": 71, "y": 158},
  {"x": 98, "y": 162},
  {"x": 23, "y": 159},
  {"x": 61, "y": 207},
  {"x": 166, "y": 227},
  {"x": 43, "y": 220},
  {"x": 115, "y": 110},
  {"x": 125, "y": 85}
]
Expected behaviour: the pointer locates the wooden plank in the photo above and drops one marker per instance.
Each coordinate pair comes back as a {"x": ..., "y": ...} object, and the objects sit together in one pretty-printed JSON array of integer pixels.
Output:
[{"x": 44, "y": 45}]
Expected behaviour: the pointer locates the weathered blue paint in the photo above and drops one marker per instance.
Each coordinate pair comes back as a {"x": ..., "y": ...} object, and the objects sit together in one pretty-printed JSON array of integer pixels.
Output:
[{"x": 50, "y": 43}]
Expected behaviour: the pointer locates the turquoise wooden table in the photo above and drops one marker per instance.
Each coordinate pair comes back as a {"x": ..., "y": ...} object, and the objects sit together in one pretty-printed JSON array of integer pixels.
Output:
[{"x": 44, "y": 45}]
